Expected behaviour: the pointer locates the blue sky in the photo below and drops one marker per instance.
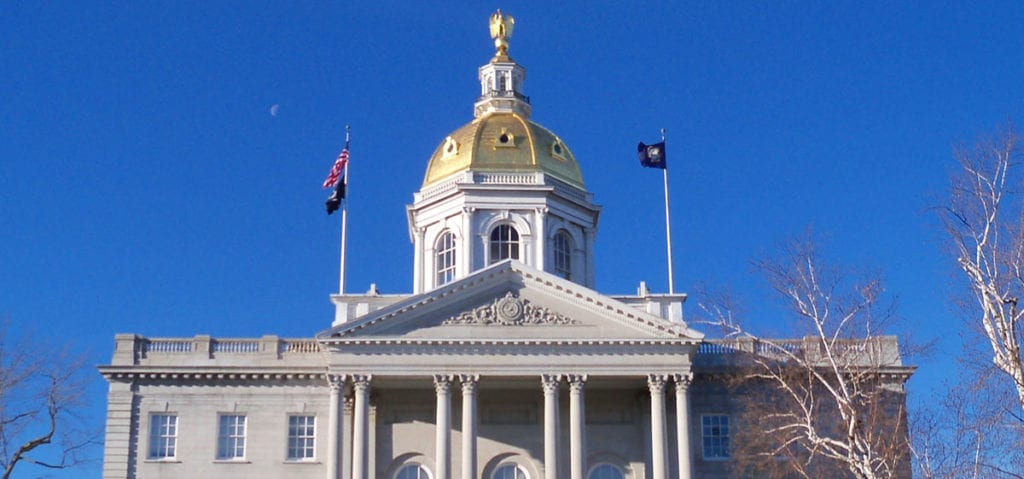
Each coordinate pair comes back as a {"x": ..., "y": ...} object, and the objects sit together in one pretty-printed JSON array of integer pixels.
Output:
[{"x": 147, "y": 188}]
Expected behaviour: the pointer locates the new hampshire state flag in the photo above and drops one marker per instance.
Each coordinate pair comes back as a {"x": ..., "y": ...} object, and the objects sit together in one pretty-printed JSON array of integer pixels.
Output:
[{"x": 651, "y": 156}]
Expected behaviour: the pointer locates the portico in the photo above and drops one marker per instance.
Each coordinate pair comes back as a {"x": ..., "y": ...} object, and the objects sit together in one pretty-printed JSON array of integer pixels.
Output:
[{"x": 531, "y": 352}]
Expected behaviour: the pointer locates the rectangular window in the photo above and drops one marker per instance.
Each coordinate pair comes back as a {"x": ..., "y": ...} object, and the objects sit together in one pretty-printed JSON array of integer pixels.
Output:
[
  {"x": 301, "y": 436},
  {"x": 231, "y": 437},
  {"x": 163, "y": 436},
  {"x": 715, "y": 436}
]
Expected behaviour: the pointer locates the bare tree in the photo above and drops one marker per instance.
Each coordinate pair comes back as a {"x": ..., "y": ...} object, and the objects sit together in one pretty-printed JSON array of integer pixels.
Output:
[
  {"x": 832, "y": 403},
  {"x": 40, "y": 392},
  {"x": 960, "y": 434},
  {"x": 985, "y": 223}
]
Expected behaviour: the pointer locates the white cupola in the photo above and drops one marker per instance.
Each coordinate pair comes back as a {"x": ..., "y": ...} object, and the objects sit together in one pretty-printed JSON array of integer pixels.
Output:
[{"x": 502, "y": 187}]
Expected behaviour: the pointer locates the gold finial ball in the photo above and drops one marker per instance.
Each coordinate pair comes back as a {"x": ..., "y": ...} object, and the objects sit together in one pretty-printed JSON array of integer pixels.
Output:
[{"x": 501, "y": 31}]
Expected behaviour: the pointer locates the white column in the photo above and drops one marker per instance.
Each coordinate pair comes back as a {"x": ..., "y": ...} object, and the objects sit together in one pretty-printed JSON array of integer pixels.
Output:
[
  {"x": 539, "y": 217},
  {"x": 486, "y": 255},
  {"x": 551, "y": 384},
  {"x": 360, "y": 429},
  {"x": 465, "y": 263},
  {"x": 683, "y": 422},
  {"x": 656, "y": 383},
  {"x": 443, "y": 437},
  {"x": 577, "y": 427},
  {"x": 469, "y": 382},
  {"x": 336, "y": 382},
  {"x": 418, "y": 260}
]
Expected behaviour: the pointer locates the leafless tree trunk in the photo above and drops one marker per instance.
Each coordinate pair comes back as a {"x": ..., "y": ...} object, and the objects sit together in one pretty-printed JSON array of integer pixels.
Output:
[
  {"x": 40, "y": 390},
  {"x": 985, "y": 221},
  {"x": 833, "y": 402}
]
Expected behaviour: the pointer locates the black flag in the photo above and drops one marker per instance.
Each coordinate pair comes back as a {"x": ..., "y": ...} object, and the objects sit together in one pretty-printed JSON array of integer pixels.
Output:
[
  {"x": 334, "y": 201},
  {"x": 652, "y": 156}
]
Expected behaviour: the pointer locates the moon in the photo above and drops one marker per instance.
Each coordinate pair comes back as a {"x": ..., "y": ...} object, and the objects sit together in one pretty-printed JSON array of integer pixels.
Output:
[{"x": 273, "y": 109}]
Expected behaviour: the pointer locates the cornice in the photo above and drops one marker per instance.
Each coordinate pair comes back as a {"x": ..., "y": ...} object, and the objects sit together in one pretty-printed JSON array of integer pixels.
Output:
[
  {"x": 402, "y": 341},
  {"x": 215, "y": 374}
]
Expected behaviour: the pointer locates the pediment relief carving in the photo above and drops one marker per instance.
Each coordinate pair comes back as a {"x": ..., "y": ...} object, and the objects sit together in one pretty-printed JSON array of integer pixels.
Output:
[{"x": 510, "y": 310}]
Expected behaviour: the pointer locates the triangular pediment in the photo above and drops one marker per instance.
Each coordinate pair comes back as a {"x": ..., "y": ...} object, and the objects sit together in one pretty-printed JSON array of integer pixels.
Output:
[{"x": 511, "y": 301}]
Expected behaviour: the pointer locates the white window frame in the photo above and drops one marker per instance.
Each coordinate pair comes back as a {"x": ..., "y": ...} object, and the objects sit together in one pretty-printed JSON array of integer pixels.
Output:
[
  {"x": 163, "y": 436},
  {"x": 720, "y": 450},
  {"x": 301, "y": 445},
  {"x": 504, "y": 243},
  {"x": 231, "y": 429},
  {"x": 445, "y": 258}
]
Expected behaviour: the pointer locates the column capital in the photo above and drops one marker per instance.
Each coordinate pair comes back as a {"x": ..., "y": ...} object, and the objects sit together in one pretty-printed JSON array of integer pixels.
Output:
[
  {"x": 361, "y": 382},
  {"x": 656, "y": 383},
  {"x": 682, "y": 381},
  {"x": 469, "y": 383},
  {"x": 443, "y": 383},
  {"x": 576, "y": 382},
  {"x": 336, "y": 381},
  {"x": 550, "y": 382}
]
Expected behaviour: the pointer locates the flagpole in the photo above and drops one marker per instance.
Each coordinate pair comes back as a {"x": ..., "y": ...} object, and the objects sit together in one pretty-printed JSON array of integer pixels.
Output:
[
  {"x": 344, "y": 220},
  {"x": 668, "y": 225}
]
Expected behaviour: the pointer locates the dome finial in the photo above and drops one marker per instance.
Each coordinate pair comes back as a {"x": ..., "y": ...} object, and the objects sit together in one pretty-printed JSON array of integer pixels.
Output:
[{"x": 501, "y": 31}]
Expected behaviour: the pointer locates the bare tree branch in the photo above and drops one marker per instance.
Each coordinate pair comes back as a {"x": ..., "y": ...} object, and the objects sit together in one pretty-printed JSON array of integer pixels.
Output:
[
  {"x": 38, "y": 395},
  {"x": 834, "y": 400},
  {"x": 984, "y": 220}
]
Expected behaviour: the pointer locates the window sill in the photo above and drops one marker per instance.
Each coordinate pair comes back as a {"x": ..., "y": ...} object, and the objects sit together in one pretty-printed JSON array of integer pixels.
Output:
[
  {"x": 301, "y": 461},
  {"x": 231, "y": 461},
  {"x": 169, "y": 460}
]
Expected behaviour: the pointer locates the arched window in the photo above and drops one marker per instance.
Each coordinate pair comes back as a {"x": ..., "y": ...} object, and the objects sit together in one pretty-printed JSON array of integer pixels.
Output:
[
  {"x": 510, "y": 471},
  {"x": 504, "y": 243},
  {"x": 445, "y": 260},
  {"x": 413, "y": 471},
  {"x": 563, "y": 255},
  {"x": 606, "y": 471}
]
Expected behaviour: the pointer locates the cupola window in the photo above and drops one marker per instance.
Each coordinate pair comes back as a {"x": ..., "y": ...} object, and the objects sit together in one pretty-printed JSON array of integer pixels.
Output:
[
  {"x": 563, "y": 255},
  {"x": 445, "y": 264},
  {"x": 504, "y": 243}
]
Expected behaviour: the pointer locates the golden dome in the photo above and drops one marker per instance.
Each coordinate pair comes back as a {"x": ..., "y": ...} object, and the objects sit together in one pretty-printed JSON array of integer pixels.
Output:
[{"x": 503, "y": 142}]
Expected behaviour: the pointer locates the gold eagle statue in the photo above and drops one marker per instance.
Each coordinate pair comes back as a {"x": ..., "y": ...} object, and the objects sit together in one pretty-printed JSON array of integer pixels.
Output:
[{"x": 501, "y": 31}]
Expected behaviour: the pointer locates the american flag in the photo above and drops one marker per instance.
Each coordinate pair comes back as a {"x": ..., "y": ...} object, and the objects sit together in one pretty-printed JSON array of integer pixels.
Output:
[{"x": 337, "y": 169}]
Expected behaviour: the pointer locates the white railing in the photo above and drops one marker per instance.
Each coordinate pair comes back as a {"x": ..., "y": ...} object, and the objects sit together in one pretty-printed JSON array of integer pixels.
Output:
[
  {"x": 167, "y": 346},
  {"x": 506, "y": 178},
  {"x": 300, "y": 346},
  {"x": 205, "y": 346},
  {"x": 236, "y": 346}
]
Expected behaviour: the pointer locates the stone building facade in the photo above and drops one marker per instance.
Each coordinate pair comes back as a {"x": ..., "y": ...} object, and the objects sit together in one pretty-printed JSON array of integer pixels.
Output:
[{"x": 503, "y": 363}]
